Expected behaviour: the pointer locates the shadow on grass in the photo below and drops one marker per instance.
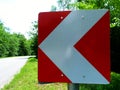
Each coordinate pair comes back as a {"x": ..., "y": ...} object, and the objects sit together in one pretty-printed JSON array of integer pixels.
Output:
[{"x": 32, "y": 59}]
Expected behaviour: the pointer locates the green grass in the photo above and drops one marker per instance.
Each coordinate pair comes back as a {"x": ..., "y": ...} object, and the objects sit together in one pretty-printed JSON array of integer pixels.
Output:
[{"x": 27, "y": 80}]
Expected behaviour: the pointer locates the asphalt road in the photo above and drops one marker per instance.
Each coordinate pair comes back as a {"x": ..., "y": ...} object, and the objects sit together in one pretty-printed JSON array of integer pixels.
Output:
[{"x": 9, "y": 67}]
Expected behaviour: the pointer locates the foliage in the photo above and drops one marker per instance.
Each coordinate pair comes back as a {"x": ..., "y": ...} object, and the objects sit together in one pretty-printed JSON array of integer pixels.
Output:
[
  {"x": 34, "y": 38},
  {"x": 3, "y": 41},
  {"x": 115, "y": 39},
  {"x": 83, "y": 5},
  {"x": 13, "y": 44},
  {"x": 114, "y": 7},
  {"x": 22, "y": 45},
  {"x": 115, "y": 22},
  {"x": 53, "y": 8},
  {"x": 62, "y": 5},
  {"x": 115, "y": 49}
]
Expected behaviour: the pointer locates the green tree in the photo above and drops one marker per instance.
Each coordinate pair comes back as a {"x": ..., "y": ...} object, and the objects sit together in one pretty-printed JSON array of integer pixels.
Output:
[
  {"x": 53, "y": 8},
  {"x": 34, "y": 38},
  {"x": 23, "y": 47},
  {"x": 12, "y": 45},
  {"x": 3, "y": 40},
  {"x": 62, "y": 5}
]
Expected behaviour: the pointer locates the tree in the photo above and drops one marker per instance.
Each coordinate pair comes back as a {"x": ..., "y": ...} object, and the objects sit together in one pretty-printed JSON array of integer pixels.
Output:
[
  {"x": 62, "y": 5},
  {"x": 34, "y": 38},
  {"x": 53, "y": 8},
  {"x": 3, "y": 40},
  {"x": 12, "y": 44},
  {"x": 23, "y": 48}
]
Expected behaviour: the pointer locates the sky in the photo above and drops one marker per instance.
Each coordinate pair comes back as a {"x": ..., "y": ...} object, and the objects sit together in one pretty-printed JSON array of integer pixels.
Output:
[{"x": 18, "y": 14}]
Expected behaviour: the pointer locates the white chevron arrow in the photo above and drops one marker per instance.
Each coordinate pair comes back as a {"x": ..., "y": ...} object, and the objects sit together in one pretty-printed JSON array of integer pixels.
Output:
[{"x": 59, "y": 47}]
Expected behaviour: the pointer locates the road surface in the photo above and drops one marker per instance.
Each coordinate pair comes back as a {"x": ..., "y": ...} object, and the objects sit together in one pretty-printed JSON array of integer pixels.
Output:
[{"x": 9, "y": 67}]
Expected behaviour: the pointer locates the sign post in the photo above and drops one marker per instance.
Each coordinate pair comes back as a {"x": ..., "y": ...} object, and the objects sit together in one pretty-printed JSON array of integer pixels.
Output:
[
  {"x": 74, "y": 47},
  {"x": 72, "y": 86}
]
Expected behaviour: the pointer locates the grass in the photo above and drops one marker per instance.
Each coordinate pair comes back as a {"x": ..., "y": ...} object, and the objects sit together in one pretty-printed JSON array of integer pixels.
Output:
[
  {"x": 22, "y": 80},
  {"x": 27, "y": 80}
]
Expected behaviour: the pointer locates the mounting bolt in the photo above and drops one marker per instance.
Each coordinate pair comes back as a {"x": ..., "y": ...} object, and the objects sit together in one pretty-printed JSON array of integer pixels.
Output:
[
  {"x": 82, "y": 17},
  {"x": 62, "y": 75},
  {"x": 61, "y": 17},
  {"x": 83, "y": 76}
]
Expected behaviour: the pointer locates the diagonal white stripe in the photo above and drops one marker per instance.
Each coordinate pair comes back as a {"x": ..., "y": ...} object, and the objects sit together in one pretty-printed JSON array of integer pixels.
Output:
[{"x": 58, "y": 46}]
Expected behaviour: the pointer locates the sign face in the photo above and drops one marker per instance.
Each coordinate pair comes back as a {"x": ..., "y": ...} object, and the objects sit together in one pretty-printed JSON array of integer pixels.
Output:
[{"x": 74, "y": 47}]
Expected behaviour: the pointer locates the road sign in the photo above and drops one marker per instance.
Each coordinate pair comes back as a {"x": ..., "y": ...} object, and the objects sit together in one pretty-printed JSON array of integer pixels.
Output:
[{"x": 74, "y": 46}]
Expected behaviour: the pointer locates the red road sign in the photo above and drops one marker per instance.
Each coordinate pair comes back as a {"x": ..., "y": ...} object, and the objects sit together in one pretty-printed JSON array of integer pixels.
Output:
[{"x": 74, "y": 47}]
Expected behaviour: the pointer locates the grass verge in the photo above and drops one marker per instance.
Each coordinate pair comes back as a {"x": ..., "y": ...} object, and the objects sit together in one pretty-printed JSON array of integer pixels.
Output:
[{"x": 27, "y": 80}]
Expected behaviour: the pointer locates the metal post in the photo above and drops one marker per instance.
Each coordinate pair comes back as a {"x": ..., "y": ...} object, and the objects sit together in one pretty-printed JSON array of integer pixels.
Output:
[
  {"x": 79, "y": 0},
  {"x": 72, "y": 86}
]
